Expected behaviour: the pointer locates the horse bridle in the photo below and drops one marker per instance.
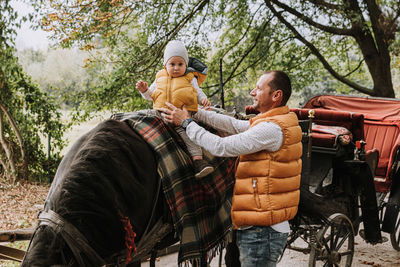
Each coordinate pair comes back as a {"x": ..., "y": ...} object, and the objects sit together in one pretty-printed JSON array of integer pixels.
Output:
[{"x": 74, "y": 239}]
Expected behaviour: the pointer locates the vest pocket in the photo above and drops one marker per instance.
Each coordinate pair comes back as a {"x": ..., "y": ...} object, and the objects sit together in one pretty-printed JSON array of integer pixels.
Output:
[{"x": 255, "y": 193}]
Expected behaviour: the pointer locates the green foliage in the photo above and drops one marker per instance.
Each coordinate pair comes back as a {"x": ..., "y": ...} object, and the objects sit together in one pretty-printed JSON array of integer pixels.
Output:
[
  {"x": 248, "y": 36},
  {"x": 34, "y": 113},
  {"x": 59, "y": 72},
  {"x": 237, "y": 32}
]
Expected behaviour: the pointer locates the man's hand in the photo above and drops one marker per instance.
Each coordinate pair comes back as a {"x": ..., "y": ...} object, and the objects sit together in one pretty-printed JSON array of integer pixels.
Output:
[
  {"x": 205, "y": 102},
  {"x": 175, "y": 115},
  {"x": 141, "y": 86}
]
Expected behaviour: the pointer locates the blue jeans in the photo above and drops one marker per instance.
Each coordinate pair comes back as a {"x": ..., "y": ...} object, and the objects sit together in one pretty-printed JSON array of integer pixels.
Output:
[{"x": 260, "y": 246}]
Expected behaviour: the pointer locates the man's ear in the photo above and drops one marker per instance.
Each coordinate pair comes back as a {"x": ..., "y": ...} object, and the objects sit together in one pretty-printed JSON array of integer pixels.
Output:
[{"x": 278, "y": 96}]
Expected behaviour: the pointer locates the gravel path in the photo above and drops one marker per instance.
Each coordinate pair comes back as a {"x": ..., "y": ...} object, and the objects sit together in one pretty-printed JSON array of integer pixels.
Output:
[{"x": 365, "y": 255}]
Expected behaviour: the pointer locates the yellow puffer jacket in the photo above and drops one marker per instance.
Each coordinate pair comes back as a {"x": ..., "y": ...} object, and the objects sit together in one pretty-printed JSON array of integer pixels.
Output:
[
  {"x": 267, "y": 183},
  {"x": 177, "y": 91}
]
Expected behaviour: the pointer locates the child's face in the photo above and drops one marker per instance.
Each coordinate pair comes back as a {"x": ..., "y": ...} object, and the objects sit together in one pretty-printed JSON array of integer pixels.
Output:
[{"x": 176, "y": 67}]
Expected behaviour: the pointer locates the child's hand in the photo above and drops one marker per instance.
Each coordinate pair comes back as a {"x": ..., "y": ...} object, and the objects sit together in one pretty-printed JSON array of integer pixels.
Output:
[
  {"x": 141, "y": 86},
  {"x": 205, "y": 102}
]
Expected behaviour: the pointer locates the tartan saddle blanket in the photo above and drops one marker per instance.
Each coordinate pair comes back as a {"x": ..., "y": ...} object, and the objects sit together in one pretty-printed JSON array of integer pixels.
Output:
[{"x": 200, "y": 209}]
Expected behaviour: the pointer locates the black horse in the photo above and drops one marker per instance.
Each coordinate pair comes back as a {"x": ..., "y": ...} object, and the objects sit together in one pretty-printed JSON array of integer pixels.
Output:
[
  {"x": 105, "y": 200},
  {"x": 107, "y": 177}
]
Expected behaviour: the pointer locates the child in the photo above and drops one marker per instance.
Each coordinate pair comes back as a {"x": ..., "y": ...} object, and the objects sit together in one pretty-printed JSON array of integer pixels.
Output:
[{"x": 179, "y": 84}]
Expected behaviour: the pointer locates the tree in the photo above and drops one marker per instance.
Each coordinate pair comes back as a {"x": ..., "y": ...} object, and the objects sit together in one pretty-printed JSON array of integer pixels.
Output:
[
  {"x": 371, "y": 24},
  {"x": 352, "y": 39},
  {"x": 26, "y": 114}
]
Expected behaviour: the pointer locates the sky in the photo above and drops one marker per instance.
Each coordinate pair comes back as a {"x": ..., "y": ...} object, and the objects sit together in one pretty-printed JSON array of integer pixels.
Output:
[{"x": 26, "y": 37}]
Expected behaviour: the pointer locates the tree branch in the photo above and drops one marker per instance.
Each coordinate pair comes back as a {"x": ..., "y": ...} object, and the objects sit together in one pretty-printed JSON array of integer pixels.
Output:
[
  {"x": 376, "y": 16},
  {"x": 316, "y": 52},
  {"x": 392, "y": 24},
  {"x": 201, "y": 23},
  {"x": 244, "y": 34},
  {"x": 234, "y": 75},
  {"x": 306, "y": 19},
  {"x": 323, "y": 3},
  {"x": 171, "y": 34},
  {"x": 355, "y": 69},
  {"x": 247, "y": 52}
]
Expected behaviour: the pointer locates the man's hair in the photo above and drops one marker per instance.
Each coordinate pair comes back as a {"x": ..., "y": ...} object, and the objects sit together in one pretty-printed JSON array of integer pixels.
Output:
[{"x": 281, "y": 81}]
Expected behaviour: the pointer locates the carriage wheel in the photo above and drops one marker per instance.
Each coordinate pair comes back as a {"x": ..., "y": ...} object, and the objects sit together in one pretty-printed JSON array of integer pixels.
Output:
[
  {"x": 334, "y": 244},
  {"x": 395, "y": 235}
]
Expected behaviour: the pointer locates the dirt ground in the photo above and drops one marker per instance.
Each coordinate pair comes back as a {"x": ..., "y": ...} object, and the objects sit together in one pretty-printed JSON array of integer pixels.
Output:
[{"x": 20, "y": 204}]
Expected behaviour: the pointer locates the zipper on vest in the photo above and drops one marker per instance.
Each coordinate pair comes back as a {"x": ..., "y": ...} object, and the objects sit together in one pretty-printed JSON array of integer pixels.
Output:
[{"x": 255, "y": 190}]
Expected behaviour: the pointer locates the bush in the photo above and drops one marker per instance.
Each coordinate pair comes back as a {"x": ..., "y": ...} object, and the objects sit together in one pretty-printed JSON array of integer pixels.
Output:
[{"x": 26, "y": 115}]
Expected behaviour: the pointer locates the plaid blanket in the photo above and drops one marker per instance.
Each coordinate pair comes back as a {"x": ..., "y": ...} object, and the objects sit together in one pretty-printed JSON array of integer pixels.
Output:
[{"x": 200, "y": 210}]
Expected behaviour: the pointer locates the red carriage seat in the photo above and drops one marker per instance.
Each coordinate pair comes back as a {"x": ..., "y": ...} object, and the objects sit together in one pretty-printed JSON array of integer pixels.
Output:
[
  {"x": 381, "y": 127},
  {"x": 385, "y": 137},
  {"x": 330, "y": 124}
]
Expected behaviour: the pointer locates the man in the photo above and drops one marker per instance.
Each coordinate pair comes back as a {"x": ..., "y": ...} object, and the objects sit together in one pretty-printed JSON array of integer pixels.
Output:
[{"x": 266, "y": 193}]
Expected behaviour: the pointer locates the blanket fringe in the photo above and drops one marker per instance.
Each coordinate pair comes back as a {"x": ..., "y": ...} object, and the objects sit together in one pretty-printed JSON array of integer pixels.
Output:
[
  {"x": 217, "y": 250},
  {"x": 210, "y": 254}
]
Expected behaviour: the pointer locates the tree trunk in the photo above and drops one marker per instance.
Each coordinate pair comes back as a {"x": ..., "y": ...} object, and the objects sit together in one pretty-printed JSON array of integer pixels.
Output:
[
  {"x": 8, "y": 151},
  {"x": 9, "y": 166},
  {"x": 382, "y": 78},
  {"x": 378, "y": 63},
  {"x": 374, "y": 47}
]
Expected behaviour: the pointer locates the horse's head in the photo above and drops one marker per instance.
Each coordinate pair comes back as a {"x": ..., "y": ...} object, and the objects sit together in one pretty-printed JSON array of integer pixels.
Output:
[
  {"x": 47, "y": 248},
  {"x": 104, "y": 188}
]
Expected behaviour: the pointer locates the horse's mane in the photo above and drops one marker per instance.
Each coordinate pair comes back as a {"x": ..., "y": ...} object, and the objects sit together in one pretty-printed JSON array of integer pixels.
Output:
[{"x": 110, "y": 174}]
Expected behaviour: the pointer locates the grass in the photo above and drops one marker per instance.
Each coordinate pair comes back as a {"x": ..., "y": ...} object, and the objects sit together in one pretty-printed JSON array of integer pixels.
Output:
[{"x": 77, "y": 131}]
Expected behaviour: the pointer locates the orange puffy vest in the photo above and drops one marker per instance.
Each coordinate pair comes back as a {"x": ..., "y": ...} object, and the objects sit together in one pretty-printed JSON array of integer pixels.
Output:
[
  {"x": 177, "y": 91},
  {"x": 267, "y": 183}
]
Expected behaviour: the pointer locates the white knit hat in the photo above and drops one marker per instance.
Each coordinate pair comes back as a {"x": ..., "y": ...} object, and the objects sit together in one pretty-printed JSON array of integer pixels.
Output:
[{"x": 175, "y": 49}]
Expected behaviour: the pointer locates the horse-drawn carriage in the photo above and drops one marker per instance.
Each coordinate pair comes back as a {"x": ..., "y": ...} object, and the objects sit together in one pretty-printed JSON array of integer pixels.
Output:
[
  {"x": 350, "y": 176},
  {"x": 350, "y": 179}
]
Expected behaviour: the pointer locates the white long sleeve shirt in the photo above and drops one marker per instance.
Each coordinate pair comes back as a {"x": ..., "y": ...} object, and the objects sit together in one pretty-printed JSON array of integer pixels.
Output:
[
  {"x": 242, "y": 140},
  {"x": 200, "y": 94}
]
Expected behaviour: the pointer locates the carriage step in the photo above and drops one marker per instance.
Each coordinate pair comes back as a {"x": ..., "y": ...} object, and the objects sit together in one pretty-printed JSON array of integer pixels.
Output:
[{"x": 362, "y": 234}]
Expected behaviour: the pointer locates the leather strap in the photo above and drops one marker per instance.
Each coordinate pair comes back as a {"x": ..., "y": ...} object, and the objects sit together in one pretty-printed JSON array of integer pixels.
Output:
[{"x": 75, "y": 240}]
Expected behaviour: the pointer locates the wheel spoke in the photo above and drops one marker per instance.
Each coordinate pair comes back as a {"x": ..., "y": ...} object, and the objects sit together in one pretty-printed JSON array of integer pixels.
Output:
[
  {"x": 328, "y": 248},
  {"x": 397, "y": 229},
  {"x": 323, "y": 259},
  {"x": 343, "y": 240},
  {"x": 345, "y": 253},
  {"x": 338, "y": 235},
  {"x": 395, "y": 235},
  {"x": 332, "y": 235}
]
